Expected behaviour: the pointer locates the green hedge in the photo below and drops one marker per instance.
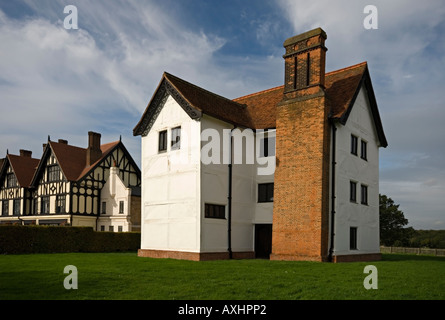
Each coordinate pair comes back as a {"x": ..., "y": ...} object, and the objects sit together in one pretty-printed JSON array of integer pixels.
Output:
[{"x": 54, "y": 239}]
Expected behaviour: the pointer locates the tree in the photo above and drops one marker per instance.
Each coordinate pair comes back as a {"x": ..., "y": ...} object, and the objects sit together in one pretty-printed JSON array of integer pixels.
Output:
[{"x": 392, "y": 222}]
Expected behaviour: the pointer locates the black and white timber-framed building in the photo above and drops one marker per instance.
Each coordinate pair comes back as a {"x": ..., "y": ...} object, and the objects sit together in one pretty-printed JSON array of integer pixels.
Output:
[{"x": 97, "y": 186}]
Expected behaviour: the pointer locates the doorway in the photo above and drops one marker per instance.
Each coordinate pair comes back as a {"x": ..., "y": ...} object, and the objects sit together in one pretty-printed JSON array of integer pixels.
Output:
[{"x": 263, "y": 241}]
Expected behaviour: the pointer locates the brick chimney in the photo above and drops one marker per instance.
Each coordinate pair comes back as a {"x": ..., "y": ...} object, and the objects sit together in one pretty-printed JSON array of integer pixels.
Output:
[
  {"x": 25, "y": 153},
  {"x": 62, "y": 141},
  {"x": 301, "y": 194},
  {"x": 93, "y": 151}
]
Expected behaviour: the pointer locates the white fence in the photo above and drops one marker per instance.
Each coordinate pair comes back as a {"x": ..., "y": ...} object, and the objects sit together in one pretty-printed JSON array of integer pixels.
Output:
[{"x": 429, "y": 251}]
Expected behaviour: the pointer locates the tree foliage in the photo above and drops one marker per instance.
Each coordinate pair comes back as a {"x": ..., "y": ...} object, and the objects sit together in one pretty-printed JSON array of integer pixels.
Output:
[{"x": 392, "y": 222}]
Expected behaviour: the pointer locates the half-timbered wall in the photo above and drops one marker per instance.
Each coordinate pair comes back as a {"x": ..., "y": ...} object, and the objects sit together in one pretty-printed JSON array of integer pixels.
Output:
[
  {"x": 86, "y": 192},
  {"x": 12, "y": 196},
  {"x": 52, "y": 193}
]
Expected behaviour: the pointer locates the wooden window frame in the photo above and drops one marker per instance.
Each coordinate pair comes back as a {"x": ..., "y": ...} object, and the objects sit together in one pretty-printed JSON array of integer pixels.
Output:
[
  {"x": 265, "y": 192},
  {"x": 214, "y": 211},
  {"x": 353, "y": 237},
  {"x": 364, "y": 194},
  {"x": 364, "y": 150},
  {"x": 175, "y": 139},
  {"x": 353, "y": 191},
  {"x": 162, "y": 141},
  {"x": 354, "y": 145}
]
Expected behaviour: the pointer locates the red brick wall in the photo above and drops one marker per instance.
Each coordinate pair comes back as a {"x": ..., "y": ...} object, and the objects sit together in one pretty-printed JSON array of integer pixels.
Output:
[{"x": 301, "y": 195}]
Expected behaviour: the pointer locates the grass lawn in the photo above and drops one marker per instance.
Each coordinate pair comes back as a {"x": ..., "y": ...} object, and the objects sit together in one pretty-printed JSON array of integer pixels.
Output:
[{"x": 109, "y": 276}]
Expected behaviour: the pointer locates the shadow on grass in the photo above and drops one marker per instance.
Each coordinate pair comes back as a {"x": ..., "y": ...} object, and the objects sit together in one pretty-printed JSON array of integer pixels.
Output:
[{"x": 410, "y": 257}]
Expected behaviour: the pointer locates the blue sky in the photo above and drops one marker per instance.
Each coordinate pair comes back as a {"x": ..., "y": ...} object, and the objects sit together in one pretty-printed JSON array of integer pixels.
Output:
[{"x": 100, "y": 77}]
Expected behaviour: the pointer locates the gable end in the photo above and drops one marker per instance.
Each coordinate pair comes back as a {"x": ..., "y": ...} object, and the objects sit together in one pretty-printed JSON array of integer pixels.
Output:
[{"x": 154, "y": 107}]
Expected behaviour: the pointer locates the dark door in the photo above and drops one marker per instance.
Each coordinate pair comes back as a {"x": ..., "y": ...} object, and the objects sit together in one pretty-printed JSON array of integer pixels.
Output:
[{"x": 263, "y": 240}]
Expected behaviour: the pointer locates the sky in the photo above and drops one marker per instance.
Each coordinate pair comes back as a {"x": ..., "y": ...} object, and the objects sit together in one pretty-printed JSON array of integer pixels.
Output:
[{"x": 62, "y": 83}]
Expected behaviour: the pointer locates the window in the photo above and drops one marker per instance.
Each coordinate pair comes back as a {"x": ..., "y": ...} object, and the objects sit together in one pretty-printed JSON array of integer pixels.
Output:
[
  {"x": 104, "y": 207},
  {"x": 60, "y": 204},
  {"x": 353, "y": 238},
  {"x": 16, "y": 207},
  {"x": 162, "y": 141},
  {"x": 11, "y": 180},
  {"x": 53, "y": 173},
  {"x": 364, "y": 194},
  {"x": 102, "y": 228},
  {"x": 111, "y": 228},
  {"x": 363, "y": 150},
  {"x": 353, "y": 191},
  {"x": 36, "y": 206},
  {"x": 265, "y": 192},
  {"x": 119, "y": 229},
  {"x": 176, "y": 138},
  {"x": 215, "y": 211},
  {"x": 354, "y": 142},
  {"x": 5, "y": 207},
  {"x": 44, "y": 205},
  {"x": 267, "y": 146},
  {"x": 121, "y": 207}
]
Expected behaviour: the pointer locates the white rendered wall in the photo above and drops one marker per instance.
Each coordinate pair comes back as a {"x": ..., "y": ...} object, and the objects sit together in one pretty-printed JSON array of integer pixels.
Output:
[
  {"x": 246, "y": 211},
  {"x": 350, "y": 167},
  {"x": 113, "y": 192},
  {"x": 170, "y": 201}
]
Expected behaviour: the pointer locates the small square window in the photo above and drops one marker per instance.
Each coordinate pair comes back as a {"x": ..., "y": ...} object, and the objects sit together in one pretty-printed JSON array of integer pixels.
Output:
[
  {"x": 215, "y": 211},
  {"x": 353, "y": 191},
  {"x": 111, "y": 228},
  {"x": 354, "y": 142},
  {"x": 265, "y": 192},
  {"x": 162, "y": 141},
  {"x": 119, "y": 229}
]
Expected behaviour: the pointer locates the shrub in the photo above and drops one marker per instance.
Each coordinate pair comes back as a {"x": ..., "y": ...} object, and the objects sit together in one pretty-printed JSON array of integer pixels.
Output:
[{"x": 57, "y": 239}]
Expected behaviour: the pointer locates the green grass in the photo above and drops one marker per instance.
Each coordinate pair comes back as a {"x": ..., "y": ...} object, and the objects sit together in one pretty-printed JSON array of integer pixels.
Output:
[{"x": 125, "y": 276}]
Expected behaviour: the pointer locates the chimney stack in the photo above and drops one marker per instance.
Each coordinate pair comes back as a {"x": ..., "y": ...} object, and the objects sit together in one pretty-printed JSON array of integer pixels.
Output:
[
  {"x": 93, "y": 151},
  {"x": 305, "y": 61},
  {"x": 301, "y": 189},
  {"x": 63, "y": 141},
  {"x": 25, "y": 153}
]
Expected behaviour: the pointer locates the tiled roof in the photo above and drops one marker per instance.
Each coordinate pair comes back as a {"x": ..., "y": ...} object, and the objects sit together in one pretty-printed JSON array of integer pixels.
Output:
[
  {"x": 210, "y": 103},
  {"x": 24, "y": 168},
  {"x": 105, "y": 148},
  {"x": 258, "y": 110},
  {"x": 261, "y": 107},
  {"x": 72, "y": 159},
  {"x": 341, "y": 86}
]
